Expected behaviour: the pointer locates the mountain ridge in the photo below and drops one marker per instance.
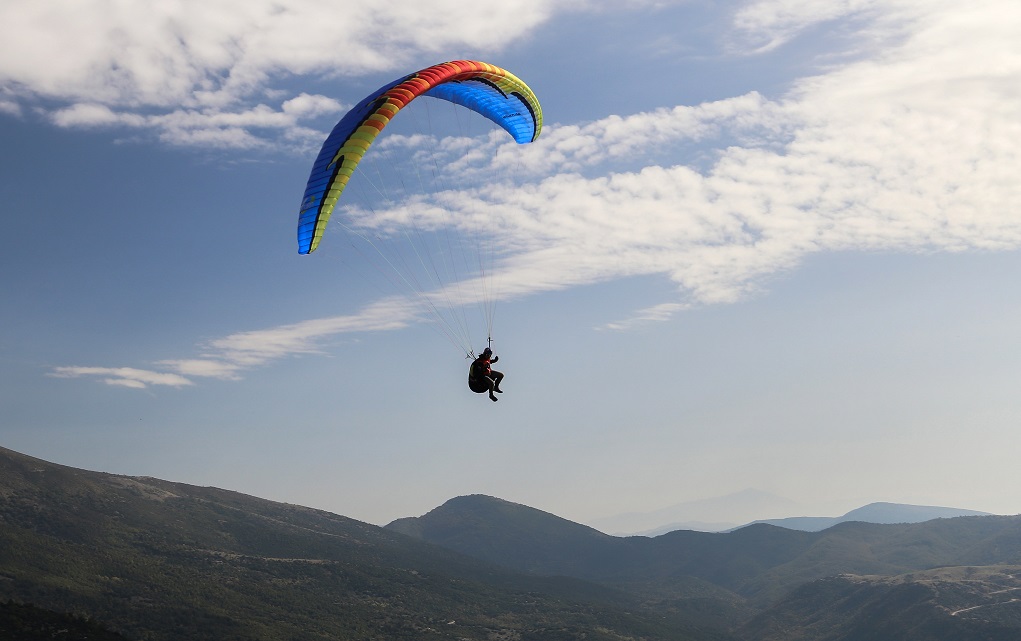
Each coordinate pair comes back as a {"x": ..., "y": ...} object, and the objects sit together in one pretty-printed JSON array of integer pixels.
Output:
[
  {"x": 878, "y": 512},
  {"x": 718, "y": 515},
  {"x": 714, "y": 514}
]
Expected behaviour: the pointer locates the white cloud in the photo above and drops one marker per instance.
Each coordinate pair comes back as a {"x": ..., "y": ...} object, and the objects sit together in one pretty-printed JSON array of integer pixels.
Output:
[
  {"x": 769, "y": 24},
  {"x": 574, "y": 147},
  {"x": 656, "y": 313},
  {"x": 252, "y": 348},
  {"x": 227, "y": 357},
  {"x": 203, "y": 367},
  {"x": 207, "y": 53},
  {"x": 94, "y": 115},
  {"x": 123, "y": 376},
  {"x": 308, "y": 105},
  {"x": 10, "y": 107},
  {"x": 153, "y": 65},
  {"x": 209, "y": 127}
]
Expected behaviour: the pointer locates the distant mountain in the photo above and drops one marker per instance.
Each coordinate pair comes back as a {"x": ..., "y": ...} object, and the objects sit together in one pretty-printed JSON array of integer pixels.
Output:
[
  {"x": 874, "y": 513},
  {"x": 528, "y": 540},
  {"x": 704, "y": 515},
  {"x": 166, "y": 561},
  {"x": 510, "y": 534},
  {"x": 725, "y": 513},
  {"x": 756, "y": 564}
]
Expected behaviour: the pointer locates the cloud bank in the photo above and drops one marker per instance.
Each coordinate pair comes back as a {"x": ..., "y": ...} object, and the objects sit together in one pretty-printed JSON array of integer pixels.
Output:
[{"x": 203, "y": 73}]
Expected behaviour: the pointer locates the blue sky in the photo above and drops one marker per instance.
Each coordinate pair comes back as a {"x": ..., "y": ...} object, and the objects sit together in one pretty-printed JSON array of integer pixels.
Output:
[{"x": 765, "y": 244}]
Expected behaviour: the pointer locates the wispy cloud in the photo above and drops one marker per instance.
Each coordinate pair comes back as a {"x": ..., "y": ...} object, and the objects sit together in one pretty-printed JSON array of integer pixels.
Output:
[
  {"x": 211, "y": 127},
  {"x": 10, "y": 107},
  {"x": 654, "y": 314},
  {"x": 227, "y": 357},
  {"x": 123, "y": 376},
  {"x": 768, "y": 24},
  {"x": 249, "y": 349}
]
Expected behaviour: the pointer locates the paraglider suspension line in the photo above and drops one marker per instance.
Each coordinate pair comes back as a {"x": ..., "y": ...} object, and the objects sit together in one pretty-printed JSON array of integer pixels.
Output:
[{"x": 489, "y": 344}]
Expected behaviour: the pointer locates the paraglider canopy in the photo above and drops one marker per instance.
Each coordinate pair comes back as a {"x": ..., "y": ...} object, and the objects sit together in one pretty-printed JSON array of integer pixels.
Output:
[{"x": 489, "y": 90}]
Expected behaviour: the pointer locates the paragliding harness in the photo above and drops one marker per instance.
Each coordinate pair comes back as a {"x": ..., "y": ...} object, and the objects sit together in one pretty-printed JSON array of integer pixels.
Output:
[
  {"x": 477, "y": 384},
  {"x": 479, "y": 370}
]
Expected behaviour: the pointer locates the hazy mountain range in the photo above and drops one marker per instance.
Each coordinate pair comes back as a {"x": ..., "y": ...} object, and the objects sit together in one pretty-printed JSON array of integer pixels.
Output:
[
  {"x": 142, "y": 558},
  {"x": 874, "y": 513},
  {"x": 720, "y": 514},
  {"x": 715, "y": 514}
]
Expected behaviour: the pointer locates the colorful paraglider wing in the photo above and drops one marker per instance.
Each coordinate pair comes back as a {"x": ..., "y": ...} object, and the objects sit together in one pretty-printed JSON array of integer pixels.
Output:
[{"x": 493, "y": 92}]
